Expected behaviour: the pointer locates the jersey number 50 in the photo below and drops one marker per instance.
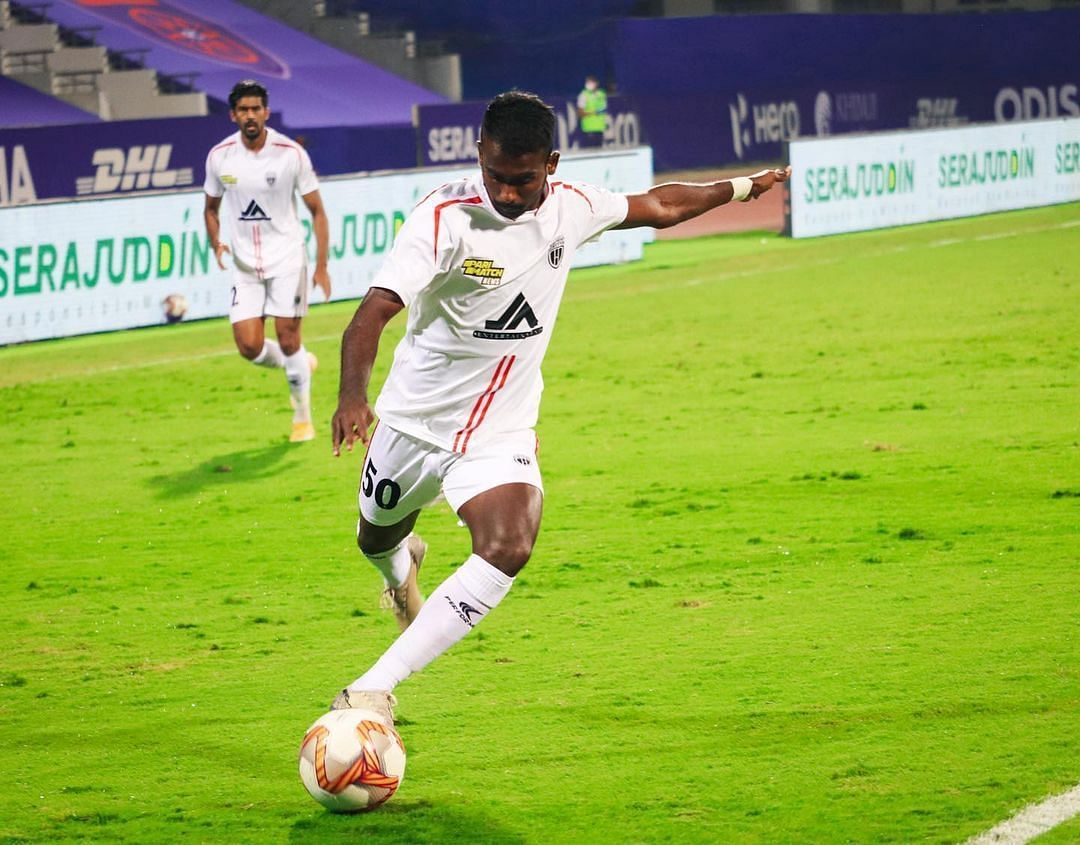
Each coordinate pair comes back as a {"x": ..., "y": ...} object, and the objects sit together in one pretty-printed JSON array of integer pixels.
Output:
[{"x": 385, "y": 491}]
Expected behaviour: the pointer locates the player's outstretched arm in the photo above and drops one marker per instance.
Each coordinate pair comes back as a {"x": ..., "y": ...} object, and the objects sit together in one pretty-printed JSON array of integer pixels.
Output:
[
  {"x": 673, "y": 202},
  {"x": 359, "y": 345}
]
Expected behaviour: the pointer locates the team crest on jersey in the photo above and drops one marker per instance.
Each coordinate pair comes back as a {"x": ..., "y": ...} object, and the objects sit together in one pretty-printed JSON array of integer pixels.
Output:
[
  {"x": 271, "y": 178},
  {"x": 555, "y": 251},
  {"x": 484, "y": 271}
]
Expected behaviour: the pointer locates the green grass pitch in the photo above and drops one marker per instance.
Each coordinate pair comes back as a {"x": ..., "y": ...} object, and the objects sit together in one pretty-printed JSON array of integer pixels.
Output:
[{"x": 808, "y": 570}]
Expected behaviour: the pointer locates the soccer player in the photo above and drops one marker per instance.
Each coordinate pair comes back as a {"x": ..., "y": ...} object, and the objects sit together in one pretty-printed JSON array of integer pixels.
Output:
[
  {"x": 258, "y": 170},
  {"x": 481, "y": 265}
]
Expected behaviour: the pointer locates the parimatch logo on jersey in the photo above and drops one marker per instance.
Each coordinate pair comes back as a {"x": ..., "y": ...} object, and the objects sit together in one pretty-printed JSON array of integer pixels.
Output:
[{"x": 483, "y": 269}]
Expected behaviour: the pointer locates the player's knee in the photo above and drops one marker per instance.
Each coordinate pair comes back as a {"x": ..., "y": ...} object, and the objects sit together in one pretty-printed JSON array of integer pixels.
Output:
[
  {"x": 372, "y": 540},
  {"x": 249, "y": 349},
  {"x": 508, "y": 554},
  {"x": 290, "y": 344}
]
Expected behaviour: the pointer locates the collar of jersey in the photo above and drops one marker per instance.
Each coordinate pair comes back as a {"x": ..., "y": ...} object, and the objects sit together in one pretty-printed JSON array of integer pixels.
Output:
[{"x": 270, "y": 133}]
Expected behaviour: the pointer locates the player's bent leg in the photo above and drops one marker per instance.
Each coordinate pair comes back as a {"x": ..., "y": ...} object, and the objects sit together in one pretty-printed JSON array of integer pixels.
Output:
[
  {"x": 453, "y": 609},
  {"x": 397, "y": 553},
  {"x": 504, "y": 522}
]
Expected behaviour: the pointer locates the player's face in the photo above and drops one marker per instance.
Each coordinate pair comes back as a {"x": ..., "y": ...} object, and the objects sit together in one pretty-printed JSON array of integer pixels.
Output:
[
  {"x": 250, "y": 115},
  {"x": 515, "y": 183}
]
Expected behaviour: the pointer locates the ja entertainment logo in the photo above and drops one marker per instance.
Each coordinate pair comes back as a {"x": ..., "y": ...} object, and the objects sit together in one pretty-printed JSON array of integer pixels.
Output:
[
  {"x": 138, "y": 168},
  {"x": 253, "y": 212},
  {"x": 503, "y": 327}
]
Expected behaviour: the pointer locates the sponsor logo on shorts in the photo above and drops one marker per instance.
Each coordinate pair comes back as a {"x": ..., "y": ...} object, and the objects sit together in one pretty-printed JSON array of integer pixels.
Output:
[
  {"x": 524, "y": 460},
  {"x": 503, "y": 327},
  {"x": 484, "y": 270}
]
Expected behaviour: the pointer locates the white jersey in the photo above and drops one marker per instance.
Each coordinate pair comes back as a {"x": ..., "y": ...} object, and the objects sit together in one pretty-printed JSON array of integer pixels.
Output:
[
  {"x": 483, "y": 292},
  {"x": 266, "y": 236}
]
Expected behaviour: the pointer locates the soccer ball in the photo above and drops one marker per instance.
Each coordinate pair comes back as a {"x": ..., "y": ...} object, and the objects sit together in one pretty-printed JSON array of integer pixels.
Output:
[
  {"x": 351, "y": 760},
  {"x": 175, "y": 307}
]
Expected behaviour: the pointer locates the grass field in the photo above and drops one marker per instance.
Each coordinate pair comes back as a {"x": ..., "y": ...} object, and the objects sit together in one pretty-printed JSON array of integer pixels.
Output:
[{"x": 808, "y": 571}]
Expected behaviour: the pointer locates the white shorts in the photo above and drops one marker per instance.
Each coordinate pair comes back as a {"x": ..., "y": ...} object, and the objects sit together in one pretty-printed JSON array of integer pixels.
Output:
[
  {"x": 282, "y": 296},
  {"x": 402, "y": 474}
]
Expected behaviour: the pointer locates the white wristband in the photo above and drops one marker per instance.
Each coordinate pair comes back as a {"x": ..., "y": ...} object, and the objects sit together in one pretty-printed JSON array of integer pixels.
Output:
[{"x": 741, "y": 185}]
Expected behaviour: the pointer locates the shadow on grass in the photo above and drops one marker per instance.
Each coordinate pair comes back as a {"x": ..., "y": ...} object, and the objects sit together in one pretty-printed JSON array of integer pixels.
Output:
[
  {"x": 231, "y": 468},
  {"x": 396, "y": 823}
]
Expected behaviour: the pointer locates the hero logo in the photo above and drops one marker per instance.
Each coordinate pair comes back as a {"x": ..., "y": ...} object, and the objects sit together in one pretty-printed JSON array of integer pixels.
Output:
[
  {"x": 622, "y": 132},
  {"x": 1031, "y": 103},
  {"x": 772, "y": 122},
  {"x": 137, "y": 169}
]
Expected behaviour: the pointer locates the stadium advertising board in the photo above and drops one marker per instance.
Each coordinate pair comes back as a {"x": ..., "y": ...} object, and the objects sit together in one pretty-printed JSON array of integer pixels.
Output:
[
  {"x": 705, "y": 107},
  {"x": 100, "y": 265},
  {"x": 143, "y": 156},
  {"x": 892, "y": 179},
  {"x": 447, "y": 134}
]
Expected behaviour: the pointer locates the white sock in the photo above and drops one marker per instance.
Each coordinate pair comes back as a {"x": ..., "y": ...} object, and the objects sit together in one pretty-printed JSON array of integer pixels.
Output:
[
  {"x": 450, "y": 612},
  {"x": 271, "y": 356},
  {"x": 394, "y": 564},
  {"x": 298, "y": 374}
]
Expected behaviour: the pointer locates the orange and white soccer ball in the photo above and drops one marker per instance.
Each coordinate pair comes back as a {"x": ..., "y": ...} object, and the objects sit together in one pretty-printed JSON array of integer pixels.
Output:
[{"x": 351, "y": 760}]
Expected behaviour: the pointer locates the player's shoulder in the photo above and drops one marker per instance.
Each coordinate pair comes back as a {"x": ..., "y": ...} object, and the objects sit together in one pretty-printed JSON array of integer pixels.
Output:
[
  {"x": 459, "y": 192},
  {"x": 280, "y": 139},
  {"x": 225, "y": 145},
  {"x": 572, "y": 192},
  {"x": 283, "y": 145}
]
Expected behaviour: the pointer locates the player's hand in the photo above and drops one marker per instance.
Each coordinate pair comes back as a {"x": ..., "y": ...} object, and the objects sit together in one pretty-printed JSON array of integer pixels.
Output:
[
  {"x": 764, "y": 180},
  {"x": 321, "y": 280},
  {"x": 351, "y": 422},
  {"x": 219, "y": 251}
]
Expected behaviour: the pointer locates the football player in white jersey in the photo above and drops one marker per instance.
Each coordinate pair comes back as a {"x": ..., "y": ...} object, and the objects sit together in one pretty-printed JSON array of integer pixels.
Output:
[
  {"x": 258, "y": 171},
  {"x": 481, "y": 265}
]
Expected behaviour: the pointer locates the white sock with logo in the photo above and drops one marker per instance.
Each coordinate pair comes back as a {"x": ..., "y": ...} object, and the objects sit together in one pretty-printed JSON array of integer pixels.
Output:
[
  {"x": 394, "y": 564},
  {"x": 450, "y": 612},
  {"x": 271, "y": 356},
  {"x": 298, "y": 374}
]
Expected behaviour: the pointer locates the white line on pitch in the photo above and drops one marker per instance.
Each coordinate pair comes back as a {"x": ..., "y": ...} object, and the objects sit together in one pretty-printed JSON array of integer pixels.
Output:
[
  {"x": 157, "y": 362},
  {"x": 1034, "y": 820}
]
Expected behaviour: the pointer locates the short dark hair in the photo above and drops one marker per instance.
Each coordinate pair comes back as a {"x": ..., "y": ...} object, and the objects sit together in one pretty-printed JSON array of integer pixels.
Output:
[
  {"x": 520, "y": 123},
  {"x": 247, "y": 88}
]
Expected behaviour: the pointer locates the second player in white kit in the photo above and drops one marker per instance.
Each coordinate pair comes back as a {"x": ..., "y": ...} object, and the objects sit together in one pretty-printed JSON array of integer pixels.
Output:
[
  {"x": 481, "y": 265},
  {"x": 254, "y": 177}
]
